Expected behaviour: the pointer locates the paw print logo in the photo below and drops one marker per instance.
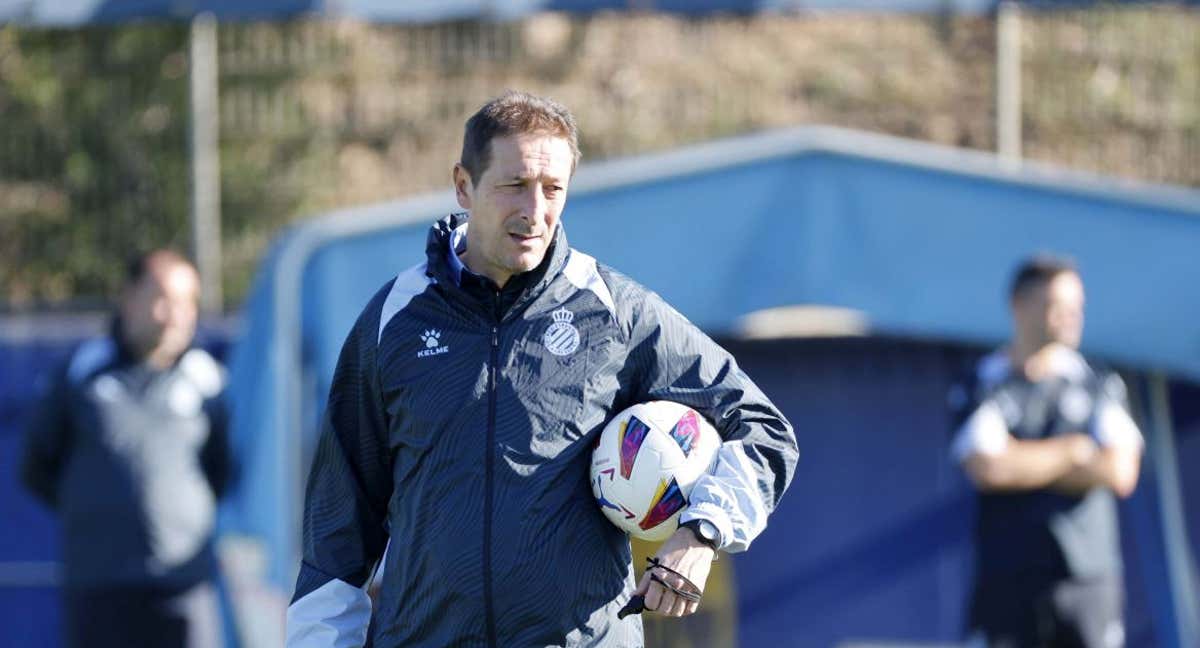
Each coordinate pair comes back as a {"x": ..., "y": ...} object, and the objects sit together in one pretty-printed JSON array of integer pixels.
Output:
[{"x": 430, "y": 338}]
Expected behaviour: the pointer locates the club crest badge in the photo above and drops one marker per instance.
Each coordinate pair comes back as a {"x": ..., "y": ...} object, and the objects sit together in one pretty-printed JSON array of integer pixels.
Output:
[
  {"x": 1075, "y": 405},
  {"x": 562, "y": 338}
]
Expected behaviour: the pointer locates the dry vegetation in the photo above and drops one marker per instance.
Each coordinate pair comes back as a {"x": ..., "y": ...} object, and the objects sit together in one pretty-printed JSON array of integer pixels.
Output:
[{"x": 317, "y": 115}]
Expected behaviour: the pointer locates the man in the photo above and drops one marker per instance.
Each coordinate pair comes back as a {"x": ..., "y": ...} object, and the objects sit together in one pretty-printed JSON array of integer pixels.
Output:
[
  {"x": 459, "y": 428},
  {"x": 1047, "y": 441},
  {"x": 129, "y": 449}
]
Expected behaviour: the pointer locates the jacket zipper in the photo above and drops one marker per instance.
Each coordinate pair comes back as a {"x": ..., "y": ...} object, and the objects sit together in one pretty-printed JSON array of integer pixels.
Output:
[{"x": 489, "y": 470}]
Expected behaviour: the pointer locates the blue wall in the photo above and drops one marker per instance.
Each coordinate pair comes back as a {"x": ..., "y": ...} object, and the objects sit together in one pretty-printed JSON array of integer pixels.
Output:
[
  {"x": 29, "y": 614},
  {"x": 872, "y": 540},
  {"x": 77, "y": 12},
  {"x": 918, "y": 240}
]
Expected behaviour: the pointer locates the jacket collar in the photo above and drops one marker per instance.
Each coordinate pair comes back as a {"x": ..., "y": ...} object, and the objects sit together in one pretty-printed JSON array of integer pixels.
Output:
[
  {"x": 444, "y": 266},
  {"x": 1064, "y": 363}
]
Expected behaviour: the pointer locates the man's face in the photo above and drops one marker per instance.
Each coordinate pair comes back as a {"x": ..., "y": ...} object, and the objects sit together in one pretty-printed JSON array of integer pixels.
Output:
[
  {"x": 516, "y": 203},
  {"x": 1052, "y": 312},
  {"x": 159, "y": 312}
]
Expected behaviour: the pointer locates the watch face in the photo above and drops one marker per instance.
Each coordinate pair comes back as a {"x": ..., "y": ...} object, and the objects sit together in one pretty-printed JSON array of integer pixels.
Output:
[{"x": 704, "y": 531}]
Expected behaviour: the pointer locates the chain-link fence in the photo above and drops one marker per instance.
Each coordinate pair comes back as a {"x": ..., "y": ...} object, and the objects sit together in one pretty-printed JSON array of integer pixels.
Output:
[
  {"x": 1114, "y": 89},
  {"x": 93, "y": 158},
  {"x": 314, "y": 115}
]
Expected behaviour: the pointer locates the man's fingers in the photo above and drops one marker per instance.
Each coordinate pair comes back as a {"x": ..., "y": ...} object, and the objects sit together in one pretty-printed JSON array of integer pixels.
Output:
[
  {"x": 663, "y": 598},
  {"x": 668, "y": 592},
  {"x": 654, "y": 596},
  {"x": 678, "y": 607},
  {"x": 669, "y": 601},
  {"x": 644, "y": 584}
]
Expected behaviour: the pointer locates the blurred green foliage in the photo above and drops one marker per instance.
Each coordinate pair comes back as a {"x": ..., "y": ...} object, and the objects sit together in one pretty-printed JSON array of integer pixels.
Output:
[
  {"x": 92, "y": 165},
  {"x": 317, "y": 115}
]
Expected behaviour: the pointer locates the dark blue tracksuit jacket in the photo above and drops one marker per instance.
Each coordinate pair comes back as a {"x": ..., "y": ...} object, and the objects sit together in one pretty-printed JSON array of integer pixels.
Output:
[{"x": 460, "y": 425}]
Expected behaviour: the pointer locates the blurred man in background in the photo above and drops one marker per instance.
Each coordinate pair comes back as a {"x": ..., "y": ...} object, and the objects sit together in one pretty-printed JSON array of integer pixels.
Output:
[
  {"x": 129, "y": 448},
  {"x": 463, "y": 414},
  {"x": 1047, "y": 440}
]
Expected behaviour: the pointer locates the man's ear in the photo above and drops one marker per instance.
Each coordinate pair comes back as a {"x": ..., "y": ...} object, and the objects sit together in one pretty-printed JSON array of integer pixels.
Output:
[{"x": 463, "y": 187}]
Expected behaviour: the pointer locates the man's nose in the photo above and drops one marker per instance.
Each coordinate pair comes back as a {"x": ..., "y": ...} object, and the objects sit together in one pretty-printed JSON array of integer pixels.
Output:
[{"x": 533, "y": 204}]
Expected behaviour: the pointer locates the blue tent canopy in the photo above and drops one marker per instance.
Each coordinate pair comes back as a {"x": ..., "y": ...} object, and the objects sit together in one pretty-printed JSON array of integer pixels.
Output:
[
  {"x": 78, "y": 12},
  {"x": 913, "y": 239}
]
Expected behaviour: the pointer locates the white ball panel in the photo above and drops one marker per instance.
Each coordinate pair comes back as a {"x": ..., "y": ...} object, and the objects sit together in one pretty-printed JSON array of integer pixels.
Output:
[{"x": 627, "y": 502}]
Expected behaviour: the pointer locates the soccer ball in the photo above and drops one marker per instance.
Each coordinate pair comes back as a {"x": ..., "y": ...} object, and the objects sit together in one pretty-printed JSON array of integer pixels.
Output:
[{"x": 645, "y": 464}]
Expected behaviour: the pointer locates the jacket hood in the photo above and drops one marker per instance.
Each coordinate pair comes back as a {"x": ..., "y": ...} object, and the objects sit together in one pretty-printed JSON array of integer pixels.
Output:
[{"x": 442, "y": 234}]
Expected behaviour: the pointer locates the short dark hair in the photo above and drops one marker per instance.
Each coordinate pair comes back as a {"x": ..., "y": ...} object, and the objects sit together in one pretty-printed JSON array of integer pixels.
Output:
[
  {"x": 514, "y": 113},
  {"x": 1037, "y": 271},
  {"x": 140, "y": 264}
]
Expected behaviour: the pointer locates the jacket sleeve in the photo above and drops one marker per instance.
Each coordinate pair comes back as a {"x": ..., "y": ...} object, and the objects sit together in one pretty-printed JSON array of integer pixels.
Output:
[
  {"x": 345, "y": 501},
  {"x": 670, "y": 359},
  {"x": 48, "y": 441},
  {"x": 1111, "y": 424},
  {"x": 976, "y": 420}
]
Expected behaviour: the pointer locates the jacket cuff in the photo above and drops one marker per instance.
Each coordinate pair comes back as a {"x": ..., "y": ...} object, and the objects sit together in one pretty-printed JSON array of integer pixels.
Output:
[{"x": 711, "y": 513}]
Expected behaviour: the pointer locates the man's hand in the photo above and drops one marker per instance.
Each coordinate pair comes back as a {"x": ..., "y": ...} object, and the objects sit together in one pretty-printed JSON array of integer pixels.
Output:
[
  {"x": 686, "y": 555},
  {"x": 1115, "y": 468},
  {"x": 1026, "y": 465}
]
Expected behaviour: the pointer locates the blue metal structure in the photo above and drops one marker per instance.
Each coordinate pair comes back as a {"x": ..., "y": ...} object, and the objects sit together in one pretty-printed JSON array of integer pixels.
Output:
[
  {"x": 77, "y": 12},
  {"x": 917, "y": 240},
  {"x": 837, "y": 551},
  {"x": 914, "y": 240}
]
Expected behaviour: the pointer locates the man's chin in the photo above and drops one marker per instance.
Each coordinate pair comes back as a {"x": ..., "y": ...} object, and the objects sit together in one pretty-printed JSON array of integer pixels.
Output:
[{"x": 527, "y": 262}]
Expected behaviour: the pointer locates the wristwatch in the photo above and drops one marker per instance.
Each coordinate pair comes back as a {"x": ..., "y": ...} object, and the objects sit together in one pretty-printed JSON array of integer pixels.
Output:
[{"x": 706, "y": 532}]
